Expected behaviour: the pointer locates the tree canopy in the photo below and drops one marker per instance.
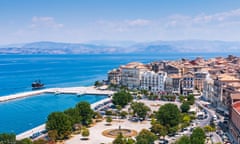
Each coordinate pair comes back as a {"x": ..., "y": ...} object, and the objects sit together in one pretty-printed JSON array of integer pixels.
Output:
[
  {"x": 120, "y": 139},
  {"x": 85, "y": 112},
  {"x": 85, "y": 132},
  {"x": 140, "y": 109},
  {"x": 159, "y": 129},
  {"x": 198, "y": 136},
  {"x": 185, "y": 107},
  {"x": 61, "y": 123},
  {"x": 24, "y": 141},
  {"x": 183, "y": 140},
  {"x": 74, "y": 114},
  {"x": 191, "y": 99},
  {"x": 168, "y": 115},
  {"x": 122, "y": 98},
  {"x": 146, "y": 137},
  {"x": 6, "y": 138}
]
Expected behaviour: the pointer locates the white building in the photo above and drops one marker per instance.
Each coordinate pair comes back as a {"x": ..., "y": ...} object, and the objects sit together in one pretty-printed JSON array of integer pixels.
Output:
[
  {"x": 131, "y": 74},
  {"x": 153, "y": 81},
  {"x": 208, "y": 91}
]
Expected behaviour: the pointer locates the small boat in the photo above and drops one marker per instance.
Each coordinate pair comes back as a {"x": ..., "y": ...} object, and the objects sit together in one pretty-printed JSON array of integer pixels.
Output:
[{"x": 37, "y": 84}]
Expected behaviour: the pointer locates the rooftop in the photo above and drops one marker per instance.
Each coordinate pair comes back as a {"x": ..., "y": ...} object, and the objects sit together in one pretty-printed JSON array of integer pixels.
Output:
[{"x": 236, "y": 106}]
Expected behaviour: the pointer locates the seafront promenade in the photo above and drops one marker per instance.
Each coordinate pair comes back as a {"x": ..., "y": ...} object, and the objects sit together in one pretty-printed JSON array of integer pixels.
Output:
[{"x": 70, "y": 90}]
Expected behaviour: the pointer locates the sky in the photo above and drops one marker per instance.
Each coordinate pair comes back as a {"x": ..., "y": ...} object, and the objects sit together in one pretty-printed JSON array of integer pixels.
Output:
[{"x": 78, "y": 21}]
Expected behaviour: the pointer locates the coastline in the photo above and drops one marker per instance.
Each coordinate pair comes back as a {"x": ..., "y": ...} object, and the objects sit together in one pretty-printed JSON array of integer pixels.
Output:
[{"x": 42, "y": 127}]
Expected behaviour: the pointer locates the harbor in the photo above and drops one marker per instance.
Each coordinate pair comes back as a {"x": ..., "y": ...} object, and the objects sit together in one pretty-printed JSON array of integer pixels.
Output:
[
  {"x": 91, "y": 90},
  {"x": 39, "y": 131}
]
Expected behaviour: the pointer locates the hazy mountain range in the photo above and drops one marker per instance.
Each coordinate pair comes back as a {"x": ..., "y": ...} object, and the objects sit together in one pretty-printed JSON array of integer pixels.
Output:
[{"x": 111, "y": 47}]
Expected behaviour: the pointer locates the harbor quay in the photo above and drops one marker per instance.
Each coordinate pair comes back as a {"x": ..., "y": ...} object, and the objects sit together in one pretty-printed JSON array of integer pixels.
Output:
[{"x": 91, "y": 90}]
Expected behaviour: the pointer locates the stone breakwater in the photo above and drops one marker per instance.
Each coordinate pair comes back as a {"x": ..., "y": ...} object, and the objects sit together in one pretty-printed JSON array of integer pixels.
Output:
[{"x": 70, "y": 90}]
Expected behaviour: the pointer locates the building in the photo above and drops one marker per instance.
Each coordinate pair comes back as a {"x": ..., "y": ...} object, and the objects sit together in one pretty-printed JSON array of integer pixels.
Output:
[
  {"x": 199, "y": 78},
  {"x": 170, "y": 69},
  {"x": 114, "y": 76},
  {"x": 187, "y": 83},
  {"x": 220, "y": 91},
  {"x": 158, "y": 66},
  {"x": 131, "y": 74},
  {"x": 153, "y": 81},
  {"x": 230, "y": 91},
  {"x": 175, "y": 83},
  {"x": 234, "y": 125},
  {"x": 208, "y": 91}
]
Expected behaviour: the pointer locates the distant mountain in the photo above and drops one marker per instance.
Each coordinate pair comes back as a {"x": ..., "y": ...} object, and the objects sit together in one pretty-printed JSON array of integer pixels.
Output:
[{"x": 108, "y": 47}]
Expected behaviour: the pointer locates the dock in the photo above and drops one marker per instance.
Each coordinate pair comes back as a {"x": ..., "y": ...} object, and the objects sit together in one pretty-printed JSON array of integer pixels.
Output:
[{"x": 91, "y": 90}]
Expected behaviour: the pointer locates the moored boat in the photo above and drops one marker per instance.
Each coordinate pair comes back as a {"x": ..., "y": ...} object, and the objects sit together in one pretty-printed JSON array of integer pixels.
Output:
[{"x": 37, "y": 84}]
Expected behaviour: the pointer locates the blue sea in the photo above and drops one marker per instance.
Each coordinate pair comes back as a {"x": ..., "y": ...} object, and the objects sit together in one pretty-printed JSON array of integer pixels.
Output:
[{"x": 17, "y": 72}]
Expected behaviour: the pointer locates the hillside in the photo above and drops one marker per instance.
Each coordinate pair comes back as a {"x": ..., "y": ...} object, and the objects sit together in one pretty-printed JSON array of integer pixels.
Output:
[{"x": 106, "y": 47}]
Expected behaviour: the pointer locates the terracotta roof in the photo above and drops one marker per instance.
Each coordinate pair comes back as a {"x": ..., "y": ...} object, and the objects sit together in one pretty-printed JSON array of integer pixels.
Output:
[
  {"x": 236, "y": 106},
  {"x": 135, "y": 65}
]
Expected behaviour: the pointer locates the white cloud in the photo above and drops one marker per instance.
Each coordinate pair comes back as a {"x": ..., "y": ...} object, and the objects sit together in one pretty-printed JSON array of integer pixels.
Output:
[
  {"x": 44, "y": 22},
  {"x": 217, "y": 18},
  {"x": 138, "y": 22}
]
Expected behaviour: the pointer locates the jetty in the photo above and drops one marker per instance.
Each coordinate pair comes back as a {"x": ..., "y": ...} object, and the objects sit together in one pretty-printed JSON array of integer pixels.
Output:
[{"x": 91, "y": 90}]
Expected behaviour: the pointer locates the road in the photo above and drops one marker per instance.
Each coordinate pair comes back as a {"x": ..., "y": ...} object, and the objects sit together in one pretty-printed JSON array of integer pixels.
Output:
[{"x": 215, "y": 137}]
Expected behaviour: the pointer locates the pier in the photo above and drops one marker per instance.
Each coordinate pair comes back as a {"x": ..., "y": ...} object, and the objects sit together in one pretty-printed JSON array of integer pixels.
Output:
[{"x": 91, "y": 90}]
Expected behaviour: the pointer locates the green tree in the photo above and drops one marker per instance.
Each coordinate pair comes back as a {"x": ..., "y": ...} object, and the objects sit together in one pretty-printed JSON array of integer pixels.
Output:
[
  {"x": 168, "y": 114},
  {"x": 183, "y": 140},
  {"x": 109, "y": 113},
  {"x": 146, "y": 137},
  {"x": 159, "y": 129},
  {"x": 109, "y": 120},
  {"x": 191, "y": 99},
  {"x": 208, "y": 128},
  {"x": 145, "y": 92},
  {"x": 7, "y": 138},
  {"x": 182, "y": 98},
  {"x": 186, "y": 119},
  {"x": 53, "y": 135},
  {"x": 119, "y": 139},
  {"x": 24, "y": 141},
  {"x": 140, "y": 109},
  {"x": 122, "y": 98},
  {"x": 85, "y": 133},
  {"x": 123, "y": 114},
  {"x": 97, "y": 84},
  {"x": 40, "y": 141},
  {"x": 61, "y": 123},
  {"x": 198, "y": 136},
  {"x": 185, "y": 107},
  {"x": 85, "y": 112},
  {"x": 74, "y": 114}
]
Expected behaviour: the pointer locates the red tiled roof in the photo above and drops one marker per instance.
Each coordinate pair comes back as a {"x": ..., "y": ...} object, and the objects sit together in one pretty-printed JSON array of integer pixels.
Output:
[{"x": 236, "y": 106}]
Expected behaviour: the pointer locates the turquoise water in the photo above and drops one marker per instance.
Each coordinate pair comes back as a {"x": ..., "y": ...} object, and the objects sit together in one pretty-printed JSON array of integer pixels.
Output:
[
  {"x": 17, "y": 72},
  {"x": 23, "y": 114}
]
